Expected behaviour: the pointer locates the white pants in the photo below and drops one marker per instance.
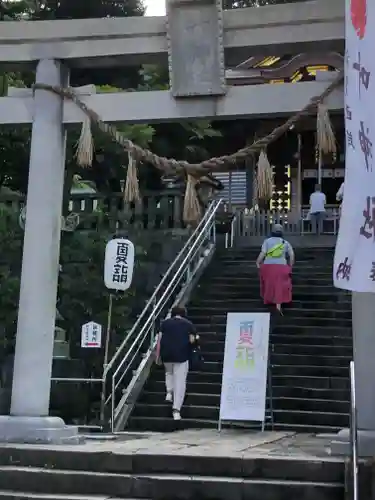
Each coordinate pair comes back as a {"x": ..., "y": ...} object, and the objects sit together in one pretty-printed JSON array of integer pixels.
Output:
[{"x": 175, "y": 382}]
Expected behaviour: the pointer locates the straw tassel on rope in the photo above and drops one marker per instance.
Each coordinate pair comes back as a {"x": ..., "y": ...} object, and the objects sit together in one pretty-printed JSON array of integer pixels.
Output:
[
  {"x": 192, "y": 208},
  {"x": 264, "y": 178},
  {"x": 207, "y": 166},
  {"x": 325, "y": 134},
  {"x": 131, "y": 191},
  {"x": 85, "y": 144}
]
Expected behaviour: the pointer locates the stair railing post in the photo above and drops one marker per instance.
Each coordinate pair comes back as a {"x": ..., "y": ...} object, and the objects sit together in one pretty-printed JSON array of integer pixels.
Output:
[
  {"x": 153, "y": 324},
  {"x": 270, "y": 391}
]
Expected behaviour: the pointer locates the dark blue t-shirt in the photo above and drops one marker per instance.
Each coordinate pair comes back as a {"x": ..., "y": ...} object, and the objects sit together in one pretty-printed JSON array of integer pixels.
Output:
[{"x": 175, "y": 344}]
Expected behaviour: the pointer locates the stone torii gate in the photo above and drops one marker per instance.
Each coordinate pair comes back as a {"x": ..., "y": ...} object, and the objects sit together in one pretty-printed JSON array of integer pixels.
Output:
[{"x": 199, "y": 41}]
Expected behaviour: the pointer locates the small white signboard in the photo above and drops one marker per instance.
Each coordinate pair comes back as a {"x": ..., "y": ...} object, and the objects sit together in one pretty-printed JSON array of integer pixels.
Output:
[
  {"x": 91, "y": 335},
  {"x": 119, "y": 264},
  {"x": 244, "y": 383}
]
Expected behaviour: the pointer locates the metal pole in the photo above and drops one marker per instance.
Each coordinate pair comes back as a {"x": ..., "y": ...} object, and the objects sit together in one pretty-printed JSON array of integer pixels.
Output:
[
  {"x": 113, "y": 406},
  {"x": 353, "y": 431},
  {"x": 299, "y": 176},
  {"x": 320, "y": 168},
  {"x": 106, "y": 352},
  {"x": 230, "y": 179}
]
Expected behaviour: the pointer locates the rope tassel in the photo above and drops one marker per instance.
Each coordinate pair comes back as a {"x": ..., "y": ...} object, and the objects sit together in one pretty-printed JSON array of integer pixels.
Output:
[
  {"x": 85, "y": 148},
  {"x": 192, "y": 208},
  {"x": 264, "y": 178},
  {"x": 131, "y": 191},
  {"x": 85, "y": 145},
  {"x": 325, "y": 133}
]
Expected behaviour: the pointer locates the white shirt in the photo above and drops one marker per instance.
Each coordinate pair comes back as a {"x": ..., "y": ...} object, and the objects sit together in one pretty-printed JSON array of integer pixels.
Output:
[
  {"x": 317, "y": 202},
  {"x": 340, "y": 193}
]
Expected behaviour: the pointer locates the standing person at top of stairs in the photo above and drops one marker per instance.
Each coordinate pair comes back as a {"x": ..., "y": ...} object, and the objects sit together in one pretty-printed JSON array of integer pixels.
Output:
[
  {"x": 317, "y": 213},
  {"x": 275, "y": 262},
  {"x": 176, "y": 338}
]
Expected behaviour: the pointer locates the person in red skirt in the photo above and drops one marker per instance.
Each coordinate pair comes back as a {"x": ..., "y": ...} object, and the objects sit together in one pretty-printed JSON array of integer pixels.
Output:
[{"x": 275, "y": 263}]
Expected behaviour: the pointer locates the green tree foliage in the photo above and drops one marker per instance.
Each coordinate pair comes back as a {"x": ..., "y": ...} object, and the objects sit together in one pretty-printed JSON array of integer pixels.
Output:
[
  {"x": 78, "y": 9},
  {"x": 184, "y": 141},
  {"x": 82, "y": 294},
  {"x": 11, "y": 237},
  {"x": 69, "y": 9}
]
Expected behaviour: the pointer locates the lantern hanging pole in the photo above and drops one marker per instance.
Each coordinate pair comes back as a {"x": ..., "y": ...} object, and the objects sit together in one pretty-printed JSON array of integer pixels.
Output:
[{"x": 106, "y": 352}]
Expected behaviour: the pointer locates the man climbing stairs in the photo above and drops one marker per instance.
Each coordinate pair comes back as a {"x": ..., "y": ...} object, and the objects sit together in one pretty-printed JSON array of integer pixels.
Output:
[{"x": 310, "y": 347}]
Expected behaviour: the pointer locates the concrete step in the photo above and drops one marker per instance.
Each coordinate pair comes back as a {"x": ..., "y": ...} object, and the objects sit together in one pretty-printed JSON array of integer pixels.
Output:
[
  {"x": 169, "y": 425},
  {"x": 17, "y": 495},
  {"x": 215, "y": 369},
  {"x": 311, "y": 377},
  {"x": 166, "y": 486},
  {"x": 303, "y": 326},
  {"x": 213, "y": 311},
  {"x": 252, "y": 285},
  {"x": 322, "y": 265},
  {"x": 296, "y": 335},
  {"x": 307, "y": 295},
  {"x": 290, "y": 391},
  {"x": 314, "y": 350},
  {"x": 318, "y": 351},
  {"x": 305, "y": 337},
  {"x": 121, "y": 460},
  {"x": 302, "y": 253},
  {"x": 281, "y": 415},
  {"x": 207, "y": 405},
  {"x": 310, "y": 360},
  {"x": 248, "y": 304},
  {"x": 229, "y": 275},
  {"x": 287, "y": 359}
]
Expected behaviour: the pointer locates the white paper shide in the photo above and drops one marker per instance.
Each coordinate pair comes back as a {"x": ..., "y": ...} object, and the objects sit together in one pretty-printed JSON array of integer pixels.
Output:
[
  {"x": 119, "y": 264},
  {"x": 244, "y": 383},
  {"x": 91, "y": 335},
  {"x": 354, "y": 266}
]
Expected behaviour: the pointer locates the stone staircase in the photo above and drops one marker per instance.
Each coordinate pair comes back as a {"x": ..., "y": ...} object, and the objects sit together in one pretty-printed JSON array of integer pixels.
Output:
[
  {"x": 310, "y": 347},
  {"x": 181, "y": 467}
]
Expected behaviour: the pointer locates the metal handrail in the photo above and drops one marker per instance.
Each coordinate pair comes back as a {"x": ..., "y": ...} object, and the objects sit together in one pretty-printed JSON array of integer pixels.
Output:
[
  {"x": 212, "y": 207},
  {"x": 353, "y": 431},
  {"x": 194, "y": 246},
  {"x": 184, "y": 272},
  {"x": 230, "y": 235}
]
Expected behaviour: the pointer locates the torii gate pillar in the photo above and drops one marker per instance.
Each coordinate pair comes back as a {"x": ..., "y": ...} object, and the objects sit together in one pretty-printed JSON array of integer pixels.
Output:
[
  {"x": 363, "y": 318},
  {"x": 29, "y": 420}
]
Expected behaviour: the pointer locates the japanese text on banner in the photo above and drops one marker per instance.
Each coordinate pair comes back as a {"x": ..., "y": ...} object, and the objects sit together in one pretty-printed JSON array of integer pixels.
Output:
[{"x": 355, "y": 249}]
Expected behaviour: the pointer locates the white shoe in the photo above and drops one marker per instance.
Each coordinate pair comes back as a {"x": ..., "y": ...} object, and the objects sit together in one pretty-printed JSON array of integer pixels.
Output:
[
  {"x": 169, "y": 397},
  {"x": 176, "y": 415}
]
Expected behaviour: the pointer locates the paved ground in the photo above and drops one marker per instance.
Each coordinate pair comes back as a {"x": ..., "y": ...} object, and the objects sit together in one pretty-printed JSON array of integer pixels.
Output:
[{"x": 228, "y": 443}]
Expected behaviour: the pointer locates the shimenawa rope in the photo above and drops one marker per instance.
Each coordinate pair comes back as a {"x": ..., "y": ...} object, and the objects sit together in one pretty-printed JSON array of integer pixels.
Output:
[{"x": 169, "y": 165}]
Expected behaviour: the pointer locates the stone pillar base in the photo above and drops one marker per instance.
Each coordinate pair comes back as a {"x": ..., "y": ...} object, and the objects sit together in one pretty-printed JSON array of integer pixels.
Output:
[
  {"x": 340, "y": 445},
  {"x": 37, "y": 430}
]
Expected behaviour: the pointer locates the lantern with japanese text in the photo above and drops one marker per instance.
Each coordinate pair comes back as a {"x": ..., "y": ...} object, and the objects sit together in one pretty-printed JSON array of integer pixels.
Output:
[{"x": 119, "y": 264}]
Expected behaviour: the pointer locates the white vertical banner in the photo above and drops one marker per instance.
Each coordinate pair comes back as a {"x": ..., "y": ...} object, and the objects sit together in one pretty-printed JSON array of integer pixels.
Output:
[
  {"x": 244, "y": 383},
  {"x": 354, "y": 266}
]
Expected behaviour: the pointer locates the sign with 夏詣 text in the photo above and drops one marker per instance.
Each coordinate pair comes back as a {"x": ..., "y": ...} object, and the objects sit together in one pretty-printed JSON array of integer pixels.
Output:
[{"x": 119, "y": 264}]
